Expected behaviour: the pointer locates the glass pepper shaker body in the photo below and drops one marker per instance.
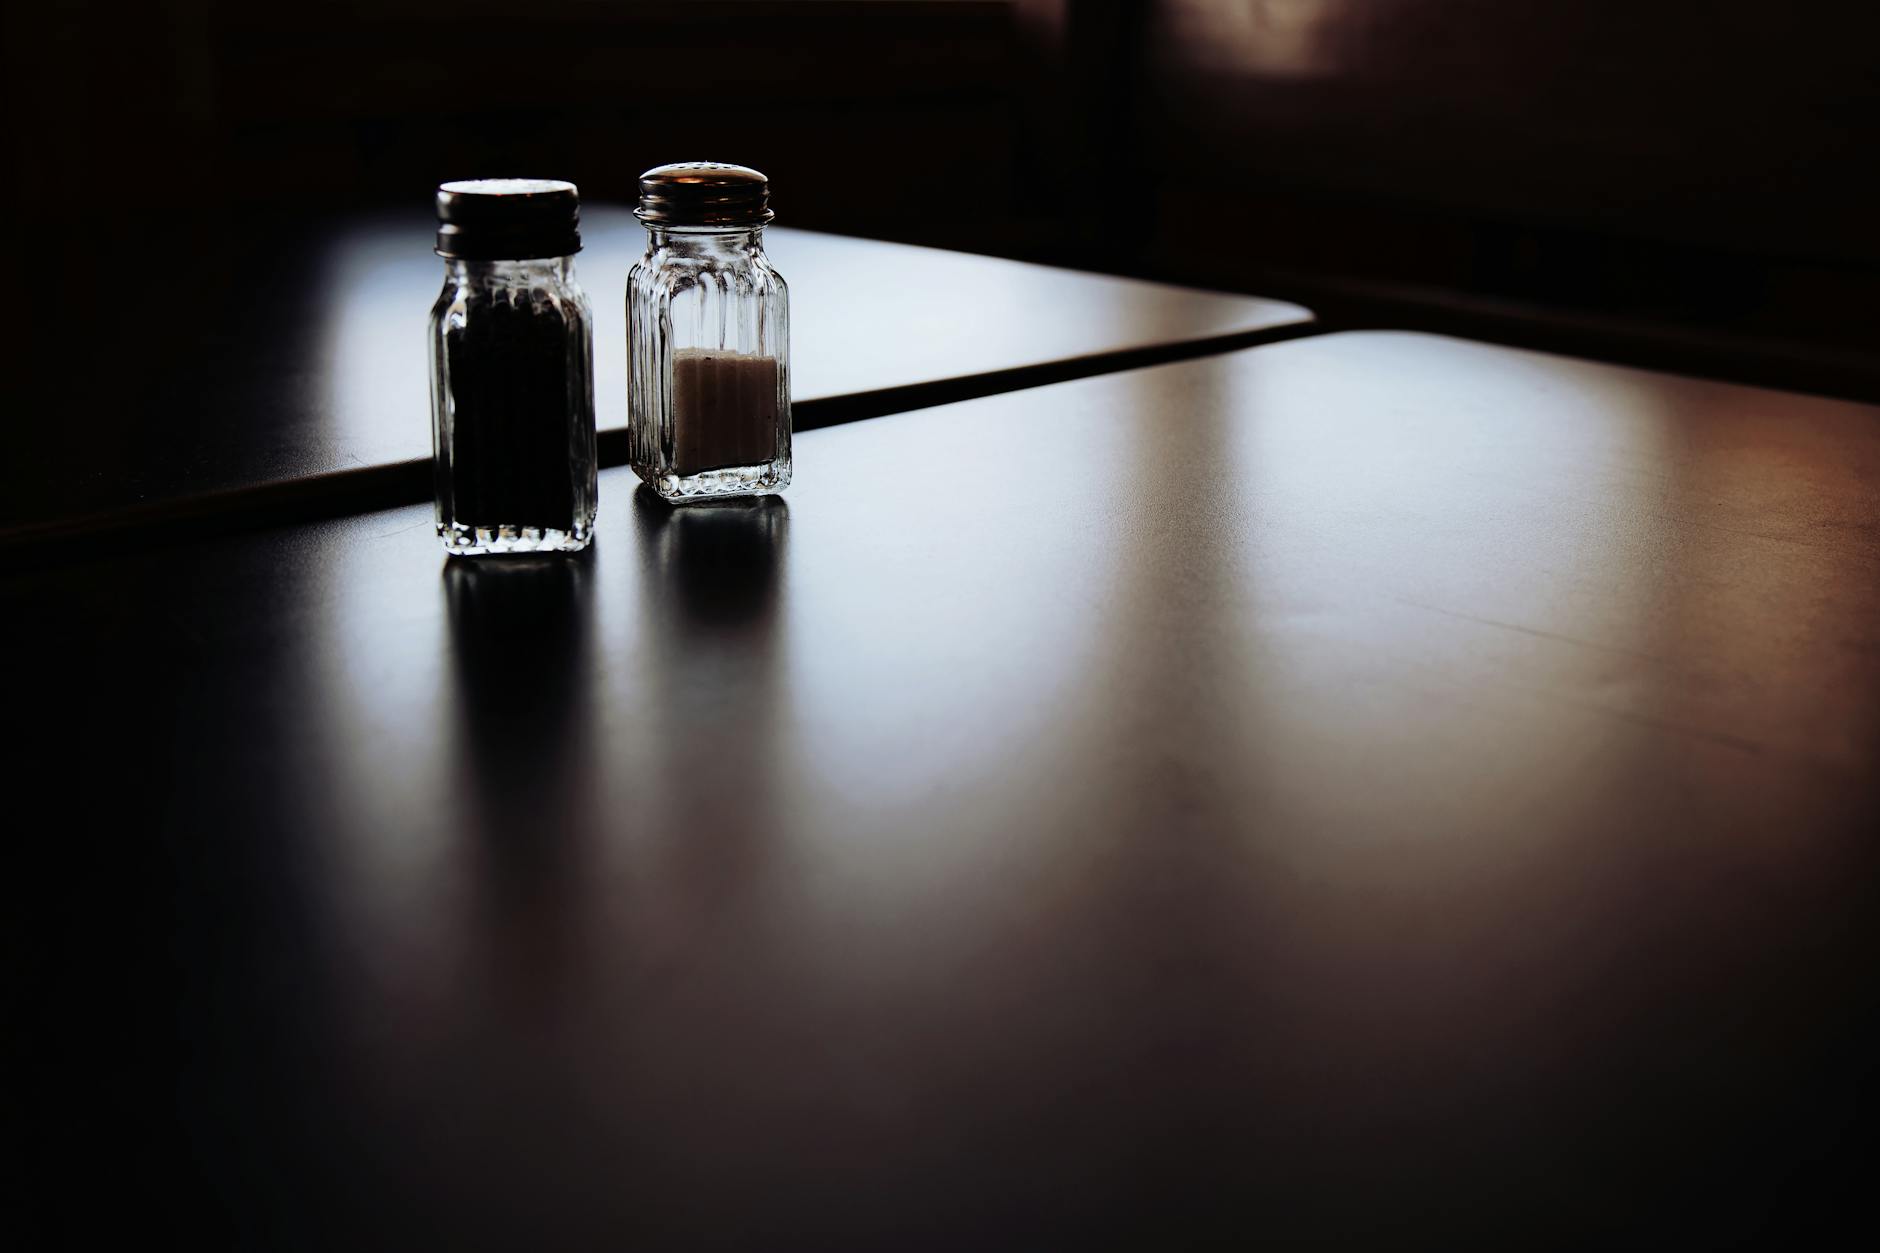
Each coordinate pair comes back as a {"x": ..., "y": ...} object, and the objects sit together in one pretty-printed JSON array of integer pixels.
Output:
[
  {"x": 708, "y": 338},
  {"x": 512, "y": 378}
]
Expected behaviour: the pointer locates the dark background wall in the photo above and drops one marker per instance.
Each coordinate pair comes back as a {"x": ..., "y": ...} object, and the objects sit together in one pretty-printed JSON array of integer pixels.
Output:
[
  {"x": 1691, "y": 184},
  {"x": 1687, "y": 183}
]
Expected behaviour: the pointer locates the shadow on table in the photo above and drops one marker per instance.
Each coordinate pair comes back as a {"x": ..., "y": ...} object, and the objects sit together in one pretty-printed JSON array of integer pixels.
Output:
[
  {"x": 717, "y": 567},
  {"x": 712, "y": 596},
  {"x": 522, "y": 640}
]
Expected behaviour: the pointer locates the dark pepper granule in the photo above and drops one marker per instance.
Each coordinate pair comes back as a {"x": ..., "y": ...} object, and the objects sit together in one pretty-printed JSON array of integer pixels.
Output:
[{"x": 515, "y": 416}]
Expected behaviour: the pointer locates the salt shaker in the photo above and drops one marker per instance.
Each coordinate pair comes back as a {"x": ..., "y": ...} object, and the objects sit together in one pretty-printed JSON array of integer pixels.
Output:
[
  {"x": 708, "y": 338},
  {"x": 512, "y": 373}
]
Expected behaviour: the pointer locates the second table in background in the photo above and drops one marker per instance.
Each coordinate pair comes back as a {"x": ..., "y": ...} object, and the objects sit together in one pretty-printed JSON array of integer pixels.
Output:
[{"x": 309, "y": 378}]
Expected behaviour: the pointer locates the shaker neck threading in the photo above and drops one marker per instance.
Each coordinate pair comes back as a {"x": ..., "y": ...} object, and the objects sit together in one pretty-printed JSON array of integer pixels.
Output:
[{"x": 501, "y": 273}]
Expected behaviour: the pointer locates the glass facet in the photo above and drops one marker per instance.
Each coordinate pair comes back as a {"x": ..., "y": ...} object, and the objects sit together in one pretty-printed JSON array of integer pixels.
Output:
[
  {"x": 512, "y": 398},
  {"x": 708, "y": 350}
]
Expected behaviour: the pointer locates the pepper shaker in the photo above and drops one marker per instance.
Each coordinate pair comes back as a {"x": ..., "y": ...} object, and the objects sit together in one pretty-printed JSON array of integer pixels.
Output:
[
  {"x": 708, "y": 338},
  {"x": 512, "y": 375}
]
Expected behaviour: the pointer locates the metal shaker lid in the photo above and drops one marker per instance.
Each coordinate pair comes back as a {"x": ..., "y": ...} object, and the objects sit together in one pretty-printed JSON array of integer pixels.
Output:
[
  {"x": 508, "y": 219},
  {"x": 704, "y": 193}
]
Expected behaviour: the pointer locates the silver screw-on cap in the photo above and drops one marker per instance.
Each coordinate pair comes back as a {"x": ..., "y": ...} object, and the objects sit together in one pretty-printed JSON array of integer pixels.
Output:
[{"x": 704, "y": 193}]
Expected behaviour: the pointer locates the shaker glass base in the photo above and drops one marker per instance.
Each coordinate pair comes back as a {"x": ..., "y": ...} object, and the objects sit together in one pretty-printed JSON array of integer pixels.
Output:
[
  {"x": 757, "y": 480},
  {"x": 489, "y": 541}
]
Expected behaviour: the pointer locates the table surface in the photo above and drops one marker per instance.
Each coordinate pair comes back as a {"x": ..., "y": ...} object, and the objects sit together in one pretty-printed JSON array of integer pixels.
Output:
[
  {"x": 311, "y": 361},
  {"x": 1374, "y": 788}
]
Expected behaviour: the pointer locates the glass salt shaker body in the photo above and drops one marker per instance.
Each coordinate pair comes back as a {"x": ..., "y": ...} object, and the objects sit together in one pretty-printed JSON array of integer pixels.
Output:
[
  {"x": 512, "y": 377},
  {"x": 708, "y": 338}
]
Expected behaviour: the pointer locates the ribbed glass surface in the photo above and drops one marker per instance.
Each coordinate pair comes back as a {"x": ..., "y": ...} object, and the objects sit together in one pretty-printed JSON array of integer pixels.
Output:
[
  {"x": 708, "y": 349},
  {"x": 512, "y": 395}
]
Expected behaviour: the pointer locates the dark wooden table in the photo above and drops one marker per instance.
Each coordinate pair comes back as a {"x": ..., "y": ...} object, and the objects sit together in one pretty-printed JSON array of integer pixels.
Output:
[
  {"x": 295, "y": 371},
  {"x": 1374, "y": 789}
]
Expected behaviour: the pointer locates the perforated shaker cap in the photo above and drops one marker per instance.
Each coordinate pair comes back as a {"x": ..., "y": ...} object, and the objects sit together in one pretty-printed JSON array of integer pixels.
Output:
[{"x": 704, "y": 193}]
